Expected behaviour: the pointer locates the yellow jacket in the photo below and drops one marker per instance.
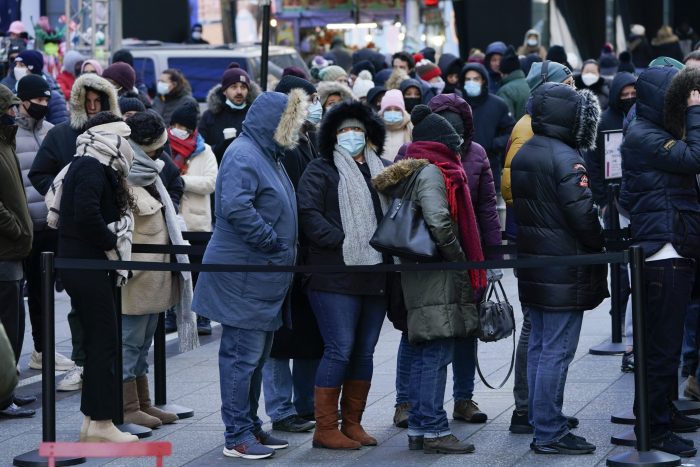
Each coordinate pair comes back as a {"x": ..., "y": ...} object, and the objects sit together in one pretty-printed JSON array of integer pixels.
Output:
[{"x": 521, "y": 134}]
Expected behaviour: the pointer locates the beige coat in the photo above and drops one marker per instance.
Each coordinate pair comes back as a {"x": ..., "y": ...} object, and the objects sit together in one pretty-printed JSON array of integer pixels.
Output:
[
  {"x": 149, "y": 292},
  {"x": 396, "y": 136},
  {"x": 200, "y": 180}
]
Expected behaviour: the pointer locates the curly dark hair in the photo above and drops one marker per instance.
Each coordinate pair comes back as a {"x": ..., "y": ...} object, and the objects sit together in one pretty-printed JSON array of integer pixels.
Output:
[{"x": 146, "y": 127}]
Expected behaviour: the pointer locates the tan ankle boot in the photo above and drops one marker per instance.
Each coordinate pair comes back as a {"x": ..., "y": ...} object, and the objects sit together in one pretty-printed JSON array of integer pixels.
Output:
[
  {"x": 352, "y": 405},
  {"x": 327, "y": 434},
  {"x": 132, "y": 413},
  {"x": 84, "y": 427},
  {"x": 147, "y": 407},
  {"x": 104, "y": 431}
]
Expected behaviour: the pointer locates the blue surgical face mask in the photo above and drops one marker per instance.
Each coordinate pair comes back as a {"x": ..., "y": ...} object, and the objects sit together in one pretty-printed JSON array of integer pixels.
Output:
[
  {"x": 472, "y": 88},
  {"x": 235, "y": 106},
  {"x": 393, "y": 116},
  {"x": 315, "y": 113},
  {"x": 352, "y": 141}
]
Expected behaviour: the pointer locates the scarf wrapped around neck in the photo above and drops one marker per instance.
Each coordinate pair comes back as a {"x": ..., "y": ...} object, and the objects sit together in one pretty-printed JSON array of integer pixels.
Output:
[
  {"x": 459, "y": 200},
  {"x": 182, "y": 150}
]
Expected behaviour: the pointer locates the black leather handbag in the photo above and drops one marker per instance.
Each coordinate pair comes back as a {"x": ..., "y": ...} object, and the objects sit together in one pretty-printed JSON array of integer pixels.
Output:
[
  {"x": 403, "y": 231},
  {"x": 496, "y": 322}
]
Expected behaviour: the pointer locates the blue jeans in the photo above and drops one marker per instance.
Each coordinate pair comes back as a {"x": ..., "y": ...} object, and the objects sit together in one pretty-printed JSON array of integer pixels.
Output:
[
  {"x": 427, "y": 416},
  {"x": 289, "y": 391},
  {"x": 137, "y": 335},
  {"x": 464, "y": 369},
  {"x": 404, "y": 360},
  {"x": 350, "y": 327},
  {"x": 242, "y": 354},
  {"x": 553, "y": 341}
]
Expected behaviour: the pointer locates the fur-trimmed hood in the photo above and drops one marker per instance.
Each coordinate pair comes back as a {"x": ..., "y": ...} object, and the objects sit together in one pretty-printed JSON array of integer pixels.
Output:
[
  {"x": 375, "y": 133},
  {"x": 328, "y": 88},
  {"x": 567, "y": 115},
  {"x": 216, "y": 102},
  {"x": 395, "y": 79},
  {"x": 78, "y": 115},
  {"x": 274, "y": 120},
  {"x": 676, "y": 100},
  {"x": 387, "y": 181}
]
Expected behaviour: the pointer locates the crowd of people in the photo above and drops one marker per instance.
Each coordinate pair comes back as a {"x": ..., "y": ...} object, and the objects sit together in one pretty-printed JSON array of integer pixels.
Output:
[{"x": 303, "y": 175}]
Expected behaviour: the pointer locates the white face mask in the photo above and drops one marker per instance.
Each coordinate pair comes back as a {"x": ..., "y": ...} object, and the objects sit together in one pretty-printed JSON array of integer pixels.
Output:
[
  {"x": 20, "y": 73},
  {"x": 179, "y": 133},
  {"x": 589, "y": 79},
  {"x": 162, "y": 88},
  {"x": 196, "y": 35},
  {"x": 532, "y": 42},
  {"x": 438, "y": 86}
]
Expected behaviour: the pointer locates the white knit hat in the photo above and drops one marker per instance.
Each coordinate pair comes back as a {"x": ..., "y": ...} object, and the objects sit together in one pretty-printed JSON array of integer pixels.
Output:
[
  {"x": 638, "y": 30},
  {"x": 363, "y": 84}
]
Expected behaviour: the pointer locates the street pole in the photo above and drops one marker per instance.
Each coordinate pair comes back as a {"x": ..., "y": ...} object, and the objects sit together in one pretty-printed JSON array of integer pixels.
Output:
[
  {"x": 116, "y": 30},
  {"x": 610, "y": 21},
  {"x": 265, "y": 43}
]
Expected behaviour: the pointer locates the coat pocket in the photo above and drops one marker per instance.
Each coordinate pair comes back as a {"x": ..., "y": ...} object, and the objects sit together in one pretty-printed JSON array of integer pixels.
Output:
[
  {"x": 268, "y": 286},
  {"x": 686, "y": 228}
]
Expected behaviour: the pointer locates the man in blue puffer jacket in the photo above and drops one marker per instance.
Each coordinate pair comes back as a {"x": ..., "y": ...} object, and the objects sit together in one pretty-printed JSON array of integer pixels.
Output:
[{"x": 660, "y": 160}]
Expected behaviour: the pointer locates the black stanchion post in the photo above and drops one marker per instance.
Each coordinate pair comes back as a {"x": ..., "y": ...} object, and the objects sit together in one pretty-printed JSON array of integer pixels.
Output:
[
  {"x": 159, "y": 374},
  {"x": 48, "y": 371},
  {"x": 643, "y": 456},
  {"x": 615, "y": 347},
  {"x": 265, "y": 43}
]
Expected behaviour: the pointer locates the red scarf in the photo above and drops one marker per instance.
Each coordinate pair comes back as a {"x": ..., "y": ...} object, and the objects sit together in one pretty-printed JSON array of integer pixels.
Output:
[
  {"x": 459, "y": 200},
  {"x": 182, "y": 149}
]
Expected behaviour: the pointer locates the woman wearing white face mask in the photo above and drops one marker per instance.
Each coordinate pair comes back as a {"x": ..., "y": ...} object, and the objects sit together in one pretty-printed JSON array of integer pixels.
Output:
[
  {"x": 173, "y": 90},
  {"x": 397, "y": 123},
  {"x": 590, "y": 79}
]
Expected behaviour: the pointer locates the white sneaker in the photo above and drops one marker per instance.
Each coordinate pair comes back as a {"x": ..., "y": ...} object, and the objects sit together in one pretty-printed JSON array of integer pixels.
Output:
[
  {"x": 63, "y": 363},
  {"x": 72, "y": 381}
]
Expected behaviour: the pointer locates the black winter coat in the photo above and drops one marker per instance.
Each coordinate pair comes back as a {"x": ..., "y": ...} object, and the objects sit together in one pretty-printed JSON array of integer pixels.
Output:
[
  {"x": 56, "y": 151},
  {"x": 553, "y": 204}
]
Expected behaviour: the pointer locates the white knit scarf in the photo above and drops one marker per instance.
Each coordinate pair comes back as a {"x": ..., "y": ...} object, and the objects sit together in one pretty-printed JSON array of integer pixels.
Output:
[{"x": 356, "y": 206}]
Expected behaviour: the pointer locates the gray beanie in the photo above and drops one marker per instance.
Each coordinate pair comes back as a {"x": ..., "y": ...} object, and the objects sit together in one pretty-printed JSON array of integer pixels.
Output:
[
  {"x": 351, "y": 122},
  {"x": 556, "y": 73}
]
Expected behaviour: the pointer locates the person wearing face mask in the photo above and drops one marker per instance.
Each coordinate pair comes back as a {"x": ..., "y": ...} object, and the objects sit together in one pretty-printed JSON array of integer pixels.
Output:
[
  {"x": 493, "y": 121},
  {"x": 339, "y": 211},
  {"x": 332, "y": 93},
  {"x": 431, "y": 75},
  {"x": 590, "y": 79},
  {"x": 514, "y": 89},
  {"x": 412, "y": 93},
  {"x": 397, "y": 123},
  {"x": 172, "y": 90},
  {"x": 227, "y": 107},
  {"x": 196, "y": 35},
  {"x": 532, "y": 44}
]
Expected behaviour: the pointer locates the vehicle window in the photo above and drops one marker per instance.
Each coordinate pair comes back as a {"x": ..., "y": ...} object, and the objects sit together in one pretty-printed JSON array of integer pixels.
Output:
[
  {"x": 203, "y": 73},
  {"x": 146, "y": 73},
  {"x": 287, "y": 60}
]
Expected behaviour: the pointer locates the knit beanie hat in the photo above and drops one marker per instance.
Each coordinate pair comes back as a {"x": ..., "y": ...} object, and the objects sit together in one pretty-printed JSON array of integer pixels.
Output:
[
  {"x": 392, "y": 98},
  {"x": 295, "y": 71},
  {"x": 32, "y": 59},
  {"x": 122, "y": 74},
  {"x": 289, "y": 82},
  {"x": 427, "y": 70},
  {"x": 510, "y": 61},
  {"x": 556, "y": 73},
  {"x": 626, "y": 63},
  {"x": 363, "y": 65},
  {"x": 350, "y": 123},
  {"x": 234, "y": 74},
  {"x": 638, "y": 30},
  {"x": 331, "y": 73},
  {"x": 123, "y": 55},
  {"x": 362, "y": 84},
  {"x": 31, "y": 86},
  {"x": 130, "y": 102},
  {"x": 70, "y": 59},
  {"x": 186, "y": 115},
  {"x": 429, "y": 126}
]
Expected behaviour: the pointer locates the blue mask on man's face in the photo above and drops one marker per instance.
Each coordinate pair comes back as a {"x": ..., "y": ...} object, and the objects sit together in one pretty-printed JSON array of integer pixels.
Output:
[{"x": 472, "y": 88}]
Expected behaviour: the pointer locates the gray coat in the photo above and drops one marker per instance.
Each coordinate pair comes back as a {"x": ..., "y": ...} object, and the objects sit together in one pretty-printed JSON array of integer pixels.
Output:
[{"x": 30, "y": 134}]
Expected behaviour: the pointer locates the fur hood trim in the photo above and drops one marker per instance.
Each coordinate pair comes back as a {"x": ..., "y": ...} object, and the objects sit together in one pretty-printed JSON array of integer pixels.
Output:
[
  {"x": 293, "y": 118},
  {"x": 587, "y": 120},
  {"x": 78, "y": 115},
  {"x": 327, "y": 88},
  {"x": 375, "y": 134},
  {"x": 216, "y": 102},
  {"x": 676, "y": 100},
  {"x": 397, "y": 173},
  {"x": 395, "y": 79}
]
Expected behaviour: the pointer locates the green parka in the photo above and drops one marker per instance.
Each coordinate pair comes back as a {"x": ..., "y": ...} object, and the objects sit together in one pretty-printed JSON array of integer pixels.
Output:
[
  {"x": 15, "y": 222},
  {"x": 516, "y": 92}
]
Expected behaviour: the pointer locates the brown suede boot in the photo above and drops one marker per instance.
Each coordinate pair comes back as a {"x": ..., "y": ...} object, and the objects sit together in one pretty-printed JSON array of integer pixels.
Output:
[
  {"x": 146, "y": 405},
  {"x": 327, "y": 434},
  {"x": 132, "y": 413},
  {"x": 352, "y": 405}
]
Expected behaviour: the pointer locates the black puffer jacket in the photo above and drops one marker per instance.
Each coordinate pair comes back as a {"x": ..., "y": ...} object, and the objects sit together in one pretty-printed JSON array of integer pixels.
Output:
[
  {"x": 659, "y": 187},
  {"x": 553, "y": 204}
]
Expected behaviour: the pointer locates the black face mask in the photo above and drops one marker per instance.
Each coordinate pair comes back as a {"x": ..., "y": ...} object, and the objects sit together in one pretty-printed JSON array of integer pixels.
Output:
[
  {"x": 37, "y": 111},
  {"x": 411, "y": 102},
  {"x": 626, "y": 104}
]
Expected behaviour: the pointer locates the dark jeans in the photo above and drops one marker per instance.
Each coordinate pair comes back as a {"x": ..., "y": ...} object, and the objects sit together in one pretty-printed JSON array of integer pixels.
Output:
[
  {"x": 668, "y": 284},
  {"x": 690, "y": 341},
  {"x": 427, "y": 416},
  {"x": 350, "y": 327},
  {"x": 520, "y": 389},
  {"x": 11, "y": 307},
  {"x": 44, "y": 240},
  {"x": 553, "y": 341},
  {"x": 92, "y": 297},
  {"x": 464, "y": 369}
]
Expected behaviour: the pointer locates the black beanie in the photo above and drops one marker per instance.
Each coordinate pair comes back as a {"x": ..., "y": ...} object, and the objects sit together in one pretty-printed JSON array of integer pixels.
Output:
[
  {"x": 429, "y": 126},
  {"x": 185, "y": 115},
  {"x": 130, "y": 102},
  {"x": 510, "y": 61},
  {"x": 362, "y": 65},
  {"x": 289, "y": 82},
  {"x": 31, "y": 86}
]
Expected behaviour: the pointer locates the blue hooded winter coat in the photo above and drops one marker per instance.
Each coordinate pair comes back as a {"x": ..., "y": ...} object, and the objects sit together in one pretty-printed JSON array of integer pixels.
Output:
[{"x": 256, "y": 224}]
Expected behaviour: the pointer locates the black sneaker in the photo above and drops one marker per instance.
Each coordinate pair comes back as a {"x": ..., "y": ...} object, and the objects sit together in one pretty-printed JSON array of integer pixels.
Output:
[
  {"x": 293, "y": 424},
  {"x": 519, "y": 424},
  {"x": 627, "y": 362},
  {"x": 171, "y": 322},
  {"x": 673, "y": 444},
  {"x": 203, "y": 326},
  {"x": 415, "y": 443},
  {"x": 681, "y": 423},
  {"x": 267, "y": 440},
  {"x": 309, "y": 417},
  {"x": 570, "y": 445},
  {"x": 448, "y": 444}
]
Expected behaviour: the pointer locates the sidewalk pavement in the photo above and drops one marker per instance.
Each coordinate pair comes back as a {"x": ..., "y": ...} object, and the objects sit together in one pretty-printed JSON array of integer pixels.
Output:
[{"x": 595, "y": 389}]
